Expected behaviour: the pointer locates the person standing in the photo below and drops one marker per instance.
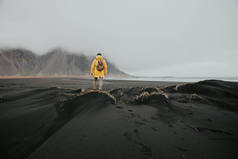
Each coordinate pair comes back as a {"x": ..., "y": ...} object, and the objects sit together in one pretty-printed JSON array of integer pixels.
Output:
[{"x": 98, "y": 70}]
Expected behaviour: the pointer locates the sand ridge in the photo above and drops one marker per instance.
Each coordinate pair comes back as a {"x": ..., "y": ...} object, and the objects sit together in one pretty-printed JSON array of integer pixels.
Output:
[{"x": 139, "y": 120}]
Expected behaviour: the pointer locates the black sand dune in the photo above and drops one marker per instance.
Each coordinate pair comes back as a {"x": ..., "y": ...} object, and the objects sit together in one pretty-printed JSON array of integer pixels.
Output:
[{"x": 48, "y": 119}]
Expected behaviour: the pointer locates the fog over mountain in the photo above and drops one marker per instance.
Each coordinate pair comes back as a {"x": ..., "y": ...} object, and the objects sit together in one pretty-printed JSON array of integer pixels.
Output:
[
  {"x": 55, "y": 62},
  {"x": 153, "y": 38}
]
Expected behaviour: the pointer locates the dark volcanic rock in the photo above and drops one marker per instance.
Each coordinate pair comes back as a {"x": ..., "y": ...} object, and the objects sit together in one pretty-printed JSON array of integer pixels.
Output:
[
  {"x": 125, "y": 95},
  {"x": 153, "y": 98},
  {"x": 150, "y": 89},
  {"x": 222, "y": 93},
  {"x": 213, "y": 88}
]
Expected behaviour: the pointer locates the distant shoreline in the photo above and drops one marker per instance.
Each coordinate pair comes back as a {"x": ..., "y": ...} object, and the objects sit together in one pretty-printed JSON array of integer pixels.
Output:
[{"x": 125, "y": 78}]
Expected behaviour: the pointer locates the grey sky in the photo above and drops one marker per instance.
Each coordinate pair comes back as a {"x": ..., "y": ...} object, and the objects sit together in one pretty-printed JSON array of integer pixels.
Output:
[{"x": 143, "y": 37}]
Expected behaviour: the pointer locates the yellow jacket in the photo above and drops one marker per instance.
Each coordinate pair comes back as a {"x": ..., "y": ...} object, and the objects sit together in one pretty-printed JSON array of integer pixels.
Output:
[{"x": 94, "y": 70}]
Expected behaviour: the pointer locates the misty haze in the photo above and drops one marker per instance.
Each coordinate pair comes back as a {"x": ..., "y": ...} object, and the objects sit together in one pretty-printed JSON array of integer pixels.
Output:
[
  {"x": 155, "y": 38},
  {"x": 118, "y": 79}
]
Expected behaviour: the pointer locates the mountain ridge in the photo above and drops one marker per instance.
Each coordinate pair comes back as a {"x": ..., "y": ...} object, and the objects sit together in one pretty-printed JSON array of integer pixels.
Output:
[{"x": 58, "y": 61}]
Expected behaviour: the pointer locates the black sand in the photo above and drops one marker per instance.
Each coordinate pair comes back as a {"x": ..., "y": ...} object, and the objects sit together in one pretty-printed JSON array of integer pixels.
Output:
[{"x": 61, "y": 118}]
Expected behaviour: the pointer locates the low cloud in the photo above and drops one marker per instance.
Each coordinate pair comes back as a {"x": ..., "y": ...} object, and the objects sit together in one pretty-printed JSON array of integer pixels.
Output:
[{"x": 136, "y": 35}]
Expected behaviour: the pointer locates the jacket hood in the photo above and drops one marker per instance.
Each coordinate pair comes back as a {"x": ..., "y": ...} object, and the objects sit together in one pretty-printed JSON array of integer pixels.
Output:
[{"x": 99, "y": 57}]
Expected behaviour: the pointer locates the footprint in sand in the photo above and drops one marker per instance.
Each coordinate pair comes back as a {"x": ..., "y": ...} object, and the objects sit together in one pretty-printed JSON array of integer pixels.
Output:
[
  {"x": 135, "y": 139},
  {"x": 119, "y": 107}
]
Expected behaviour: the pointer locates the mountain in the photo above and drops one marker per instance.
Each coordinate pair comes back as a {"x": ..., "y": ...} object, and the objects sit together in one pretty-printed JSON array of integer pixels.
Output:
[{"x": 55, "y": 62}]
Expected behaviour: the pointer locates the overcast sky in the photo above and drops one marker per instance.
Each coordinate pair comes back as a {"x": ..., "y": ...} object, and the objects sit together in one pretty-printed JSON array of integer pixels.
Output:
[{"x": 142, "y": 37}]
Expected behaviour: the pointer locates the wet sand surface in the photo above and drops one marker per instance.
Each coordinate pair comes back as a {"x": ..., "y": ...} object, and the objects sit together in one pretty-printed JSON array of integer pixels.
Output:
[{"x": 63, "y": 118}]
